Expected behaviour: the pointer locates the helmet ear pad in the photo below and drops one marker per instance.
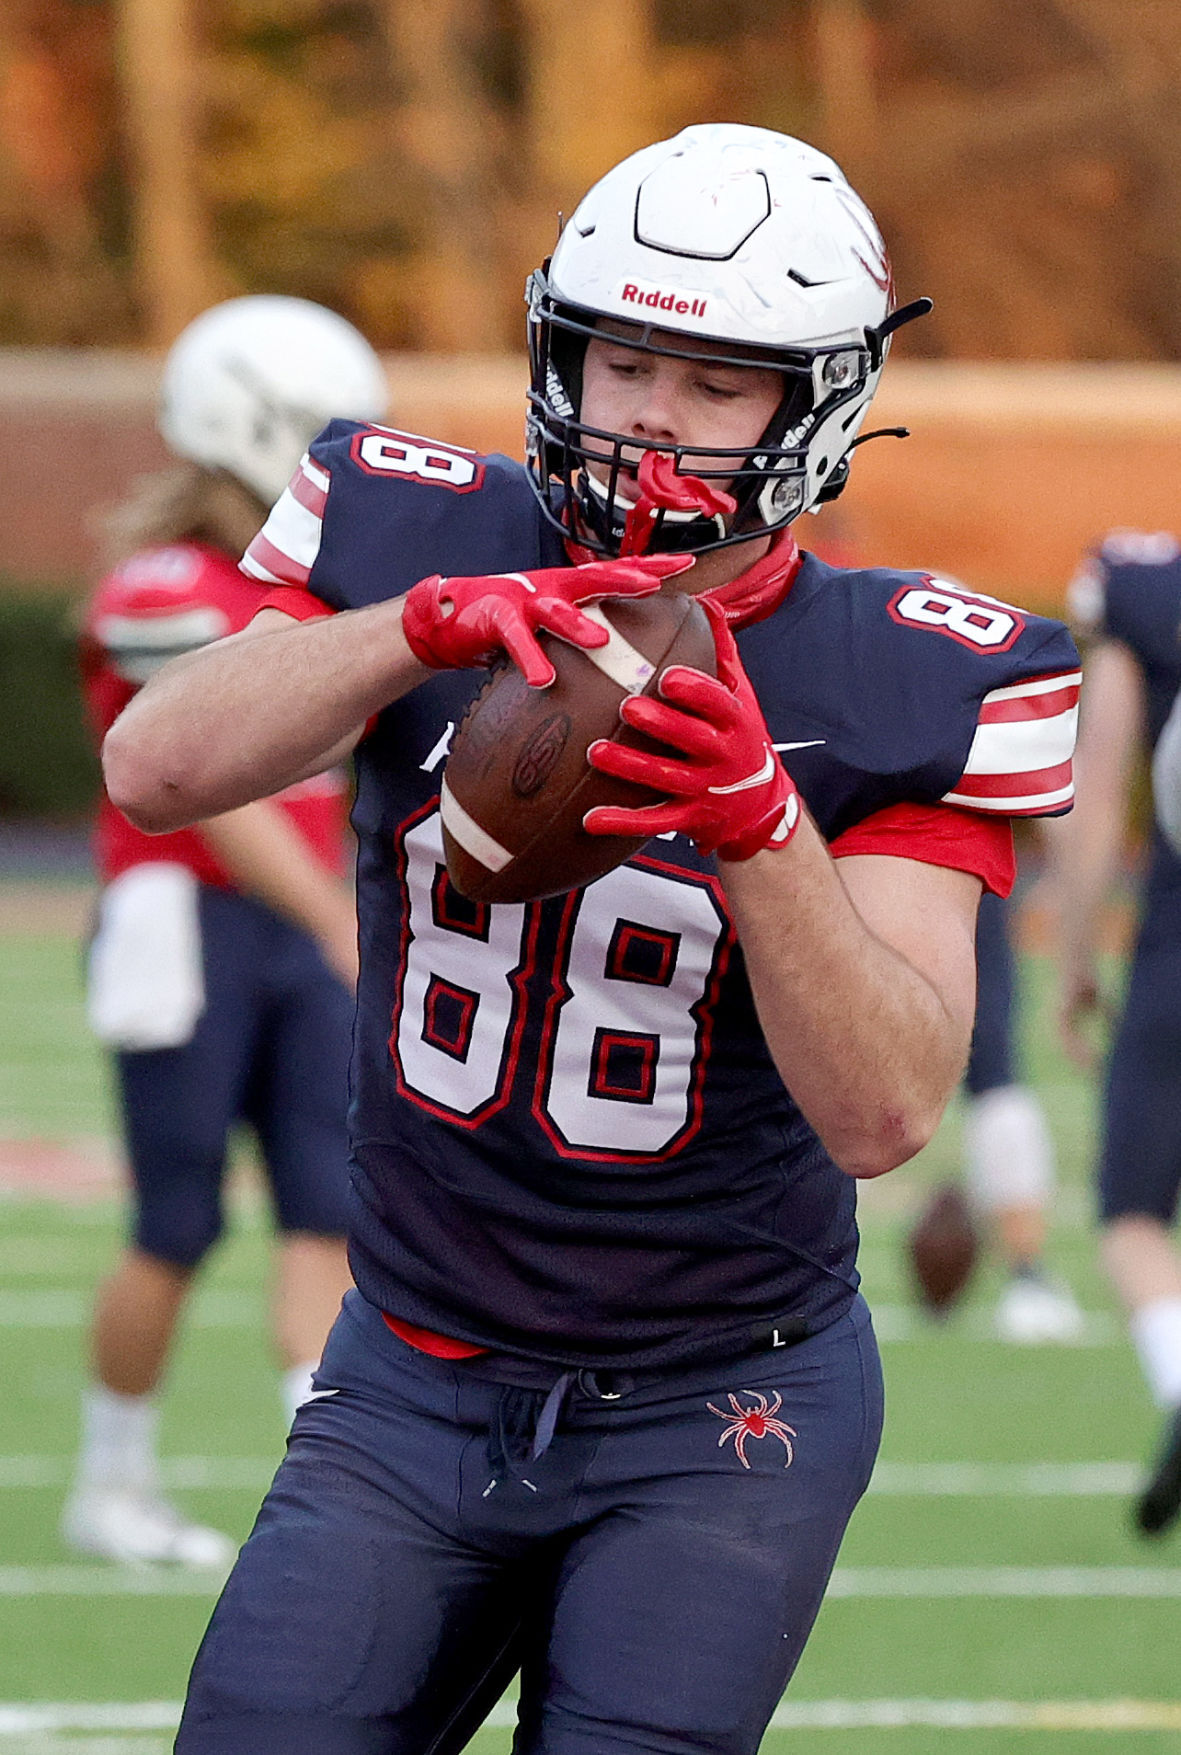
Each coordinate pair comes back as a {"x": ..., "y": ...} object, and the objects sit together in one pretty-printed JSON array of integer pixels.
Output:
[{"x": 567, "y": 352}]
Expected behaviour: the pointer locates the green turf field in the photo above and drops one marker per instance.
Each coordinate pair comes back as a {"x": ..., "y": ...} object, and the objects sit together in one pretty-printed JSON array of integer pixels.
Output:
[{"x": 989, "y": 1596}]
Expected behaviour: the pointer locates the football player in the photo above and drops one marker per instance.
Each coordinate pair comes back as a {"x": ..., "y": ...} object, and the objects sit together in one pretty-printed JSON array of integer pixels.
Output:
[
  {"x": 1166, "y": 776},
  {"x": 1008, "y": 1155},
  {"x": 606, "y": 1393},
  {"x": 223, "y": 966},
  {"x": 1127, "y": 598}
]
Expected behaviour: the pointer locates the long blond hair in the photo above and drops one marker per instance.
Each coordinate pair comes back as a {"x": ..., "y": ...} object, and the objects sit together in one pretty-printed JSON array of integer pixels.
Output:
[{"x": 184, "y": 503}]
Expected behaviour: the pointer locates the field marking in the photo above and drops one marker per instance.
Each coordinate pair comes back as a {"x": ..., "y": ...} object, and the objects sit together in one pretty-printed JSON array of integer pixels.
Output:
[
  {"x": 901, "y": 1322},
  {"x": 66, "y": 1579},
  {"x": 954, "y": 1480},
  {"x": 232, "y": 1473},
  {"x": 18, "y": 1720},
  {"x": 1094, "y": 1582},
  {"x": 63, "y": 1307},
  {"x": 971, "y": 1715},
  {"x": 947, "y": 1480},
  {"x": 66, "y": 1307},
  {"x": 75, "y": 1744}
]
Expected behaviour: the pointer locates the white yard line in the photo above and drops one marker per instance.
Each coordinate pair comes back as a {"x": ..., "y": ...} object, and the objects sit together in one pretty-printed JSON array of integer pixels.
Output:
[
  {"x": 1048, "y": 1480},
  {"x": 247, "y": 1473},
  {"x": 1094, "y": 1582},
  {"x": 18, "y": 1720},
  {"x": 902, "y": 1322},
  {"x": 66, "y": 1308},
  {"x": 41, "y": 1720},
  {"x": 67, "y": 1580}
]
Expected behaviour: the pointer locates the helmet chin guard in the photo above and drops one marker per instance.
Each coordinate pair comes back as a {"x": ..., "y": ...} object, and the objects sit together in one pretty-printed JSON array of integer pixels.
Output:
[{"x": 755, "y": 243}]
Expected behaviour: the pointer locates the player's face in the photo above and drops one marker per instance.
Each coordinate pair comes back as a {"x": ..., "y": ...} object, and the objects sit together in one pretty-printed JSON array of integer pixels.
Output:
[{"x": 657, "y": 398}]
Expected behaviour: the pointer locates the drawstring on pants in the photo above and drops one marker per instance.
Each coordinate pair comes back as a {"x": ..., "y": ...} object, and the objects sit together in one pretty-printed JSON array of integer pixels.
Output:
[
  {"x": 525, "y": 1420},
  {"x": 523, "y": 1425}
]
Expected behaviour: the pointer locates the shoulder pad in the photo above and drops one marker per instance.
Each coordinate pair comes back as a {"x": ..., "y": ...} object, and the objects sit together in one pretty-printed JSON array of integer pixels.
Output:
[
  {"x": 370, "y": 510},
  {"x": 1141, "y": 548},
  {"x": 161, "y": 602},
  {"x": 1021, "y": 687},
  {"x": 992, "y": 686}
]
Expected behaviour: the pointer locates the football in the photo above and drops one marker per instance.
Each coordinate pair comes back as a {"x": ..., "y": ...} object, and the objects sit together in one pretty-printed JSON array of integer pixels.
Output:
[
  {"x": 517, "y": 783},
  {"x": 944, "y": 1246}
]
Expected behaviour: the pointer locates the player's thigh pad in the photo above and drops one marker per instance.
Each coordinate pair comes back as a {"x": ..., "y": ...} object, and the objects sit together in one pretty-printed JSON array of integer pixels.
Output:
[
  {"x": 358, "y": 1619},
  {"x": 679, "y": 1613},
  {"x": 1140, "y": 1163}
]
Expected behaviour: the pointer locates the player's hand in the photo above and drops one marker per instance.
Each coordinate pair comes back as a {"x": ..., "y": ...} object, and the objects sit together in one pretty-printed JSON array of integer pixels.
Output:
[
  {"x": 728, "y": 790},
  {"x": 460, "y": 623},
  {"x": 1081, "y": 1008}
]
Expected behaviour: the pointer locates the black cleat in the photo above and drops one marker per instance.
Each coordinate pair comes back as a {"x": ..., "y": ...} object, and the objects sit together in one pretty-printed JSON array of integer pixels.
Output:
[{"x": 1160, "y": 1502}]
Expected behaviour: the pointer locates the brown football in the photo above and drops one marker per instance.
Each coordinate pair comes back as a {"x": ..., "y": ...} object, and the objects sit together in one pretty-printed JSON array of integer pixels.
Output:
[
  {"x": 517, "y": 783},
  {"x": 944, "y": 1247}
]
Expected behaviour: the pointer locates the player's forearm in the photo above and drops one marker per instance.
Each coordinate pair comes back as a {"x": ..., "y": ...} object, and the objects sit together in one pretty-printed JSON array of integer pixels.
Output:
[
  {"x": 861, "y": 1038},
  {"x": 267, "y": 857},
  {"x": 1086, "y": 847},
  {"x": 1085, "y": 858},
  {"x": 244, "y": 718}
]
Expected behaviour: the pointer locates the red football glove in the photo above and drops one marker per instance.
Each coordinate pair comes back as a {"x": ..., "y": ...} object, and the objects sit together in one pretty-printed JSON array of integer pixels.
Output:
[
  {"x": 730, "y": 793},
  {"x": 456, "y": 624}
]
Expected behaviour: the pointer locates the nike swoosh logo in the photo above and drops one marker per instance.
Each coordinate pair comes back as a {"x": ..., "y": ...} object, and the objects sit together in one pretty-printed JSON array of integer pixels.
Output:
[
  {"x": 317, "y": 1395},
  {"x": 760, "y": 779},
  {"x": 806, "y": 744}
]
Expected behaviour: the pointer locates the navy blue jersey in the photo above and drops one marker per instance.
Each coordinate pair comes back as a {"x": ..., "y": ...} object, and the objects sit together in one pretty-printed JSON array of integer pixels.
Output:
[
  {"x": 570, "y": 1141},
  {"x": 1130, "y": 590}
]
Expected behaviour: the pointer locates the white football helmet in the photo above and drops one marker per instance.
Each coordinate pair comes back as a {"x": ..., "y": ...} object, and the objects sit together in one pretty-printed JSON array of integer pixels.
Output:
[
  {"x": 734, "y": 234},
  {"x": 250, "y": 382}
]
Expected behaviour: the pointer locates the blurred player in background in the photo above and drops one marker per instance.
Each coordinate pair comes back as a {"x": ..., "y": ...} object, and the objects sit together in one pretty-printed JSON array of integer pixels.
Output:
[
  {"x": 224, "y": 962},
  {"x": 1166, "y": 776},
  {"x": 1127, "y": 599},
  {"x": 607, "y": 1393},
  {"x": 1008, "y": 1155}
]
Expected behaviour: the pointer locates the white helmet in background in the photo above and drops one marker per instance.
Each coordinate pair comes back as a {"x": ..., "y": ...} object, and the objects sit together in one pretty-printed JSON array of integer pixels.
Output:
[
  {"x": 731, "y": 234},
  {"x": 250, "y": 383}
]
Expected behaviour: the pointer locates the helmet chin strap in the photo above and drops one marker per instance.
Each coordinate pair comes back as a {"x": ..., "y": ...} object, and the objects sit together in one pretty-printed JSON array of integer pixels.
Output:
[{"x": 663, "y": 490}]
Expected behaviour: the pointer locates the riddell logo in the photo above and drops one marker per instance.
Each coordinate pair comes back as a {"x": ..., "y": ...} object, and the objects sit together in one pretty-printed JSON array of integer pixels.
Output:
[{"x": 658, "y": 300}]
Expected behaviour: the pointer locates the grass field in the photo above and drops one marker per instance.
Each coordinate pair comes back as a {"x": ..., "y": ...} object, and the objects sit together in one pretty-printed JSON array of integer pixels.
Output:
[{"x": 989, "y": 1597}]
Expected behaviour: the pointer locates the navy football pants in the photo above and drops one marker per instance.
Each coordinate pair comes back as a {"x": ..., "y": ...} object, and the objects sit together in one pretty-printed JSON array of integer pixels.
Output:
[
  {"x": 1140, "y": 1158},
  {"x": 271, "y": 1049},
  {"x": 651, "y": 1551}
]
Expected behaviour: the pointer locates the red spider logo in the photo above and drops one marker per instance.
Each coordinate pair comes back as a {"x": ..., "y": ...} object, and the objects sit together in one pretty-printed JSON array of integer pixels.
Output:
[{"x": 756, "y": 1422}]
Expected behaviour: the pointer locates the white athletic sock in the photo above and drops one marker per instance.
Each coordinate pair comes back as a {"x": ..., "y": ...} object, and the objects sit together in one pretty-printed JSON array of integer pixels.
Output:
[
  {"x": 297, "y": 1387},
  {"x": 1008, "y": 1152},
  {"x": 118, "y": 1439},
  {"x": 1156, "y": 1332}
]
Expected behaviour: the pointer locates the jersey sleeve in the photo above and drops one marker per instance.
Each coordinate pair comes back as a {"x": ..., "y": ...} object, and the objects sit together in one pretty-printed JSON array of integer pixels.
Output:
[
  {"x": 1020, "y": 763},
  {"x": 283, "y": 554},
  {"x": 937, "y": 834}
]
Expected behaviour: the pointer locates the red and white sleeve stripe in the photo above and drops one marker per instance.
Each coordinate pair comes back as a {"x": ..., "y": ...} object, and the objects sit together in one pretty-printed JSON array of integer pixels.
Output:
[
  {"x": 285, "y": 549},
  {"x": 1020, "y": 761}
]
